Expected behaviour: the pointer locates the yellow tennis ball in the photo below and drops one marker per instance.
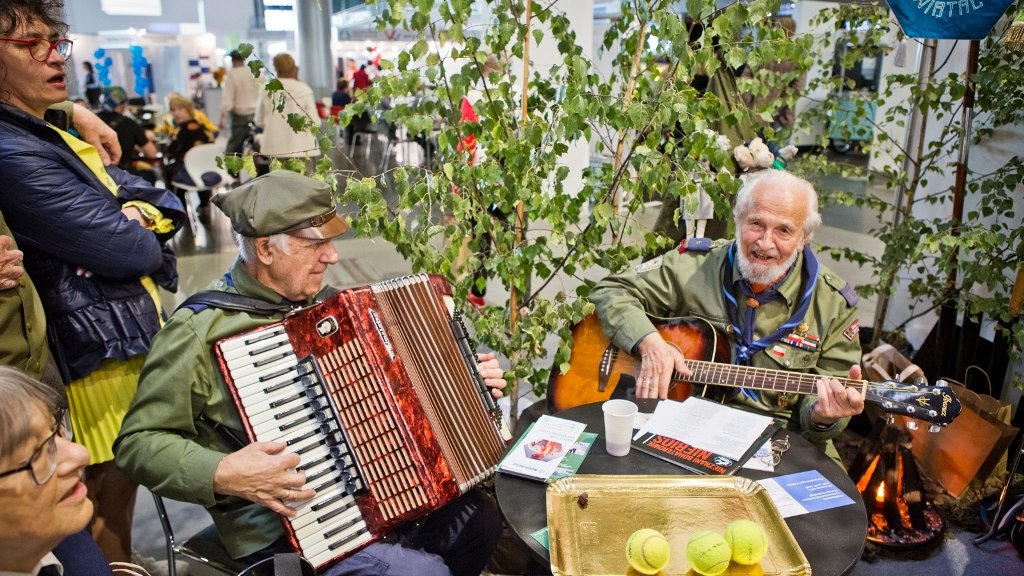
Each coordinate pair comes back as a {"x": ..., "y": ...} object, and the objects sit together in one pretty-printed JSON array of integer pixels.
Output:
[
  {"x": 747, "y": 541},
  {"x": 708, "y": 553},
  {"x": 647, "y": 551}
]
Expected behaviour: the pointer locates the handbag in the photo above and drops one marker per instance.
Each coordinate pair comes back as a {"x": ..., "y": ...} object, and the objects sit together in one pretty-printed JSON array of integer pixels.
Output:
[
  {"x": 885, "y": 363},
  {"x": 971, "y": 448}
]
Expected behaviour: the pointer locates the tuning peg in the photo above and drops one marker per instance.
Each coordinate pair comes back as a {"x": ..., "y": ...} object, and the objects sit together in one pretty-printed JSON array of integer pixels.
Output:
[
  {"x": 934, "y": 428},
  {"x": 912, "y": 424},
  {"x": 889, "y": 418}
]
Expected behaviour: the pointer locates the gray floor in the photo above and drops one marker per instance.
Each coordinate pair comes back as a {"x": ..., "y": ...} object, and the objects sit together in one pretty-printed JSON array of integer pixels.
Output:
[{"x": 206, "y": 254}]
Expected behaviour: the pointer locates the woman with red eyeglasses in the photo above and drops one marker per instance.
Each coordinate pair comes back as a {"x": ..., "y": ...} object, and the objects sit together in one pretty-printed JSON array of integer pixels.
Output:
[{"x": 93, "y": 243}]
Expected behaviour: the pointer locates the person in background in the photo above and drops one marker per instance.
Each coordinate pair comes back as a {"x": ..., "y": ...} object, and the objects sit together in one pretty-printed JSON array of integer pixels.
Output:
[
  {"x": 472, "y": 105},
  {"x": 93, "y": 88},
  {"x": 167, "y": 126},
  {"x": 43, "y": 500},
  {"x": 93, "y": 242},
  {"x": 178, "y": 436},
  {"x": 340, "y": 97},
  {"x": 360, "y": 79},
  {"x": 781, "y": 308},
  {"x": 238, "y": 107},
  {"x": 188, "y": 134},
  {"x": 279, "y": 139},
  {"x": 130, "y": 135}
]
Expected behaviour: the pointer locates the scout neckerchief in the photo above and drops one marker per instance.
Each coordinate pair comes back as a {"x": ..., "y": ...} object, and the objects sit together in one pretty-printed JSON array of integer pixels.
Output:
[{"x": 746, "y": 347}]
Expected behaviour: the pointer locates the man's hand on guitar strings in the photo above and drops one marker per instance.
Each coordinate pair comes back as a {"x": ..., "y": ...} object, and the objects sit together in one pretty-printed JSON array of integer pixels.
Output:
[
  {"x": 836, "y": 401},
  {"x": 658, "y": 363},
  {"x": 492, "y": 373}
]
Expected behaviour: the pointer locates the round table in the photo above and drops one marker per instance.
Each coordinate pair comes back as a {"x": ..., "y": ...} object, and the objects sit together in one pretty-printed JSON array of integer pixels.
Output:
[{"x": 832, "y": 540}]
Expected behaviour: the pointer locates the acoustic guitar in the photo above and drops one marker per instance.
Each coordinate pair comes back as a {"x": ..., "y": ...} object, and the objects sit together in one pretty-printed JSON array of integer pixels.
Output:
[{"x": 598, "y": 371}]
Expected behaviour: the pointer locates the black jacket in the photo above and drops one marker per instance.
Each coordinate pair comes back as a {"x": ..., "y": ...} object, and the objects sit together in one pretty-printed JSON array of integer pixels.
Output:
[{"x": 64, "y": 219}]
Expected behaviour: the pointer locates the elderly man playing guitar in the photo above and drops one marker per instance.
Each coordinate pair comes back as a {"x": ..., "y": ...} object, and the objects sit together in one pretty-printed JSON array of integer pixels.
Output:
[{"x": 778, "y": 306}]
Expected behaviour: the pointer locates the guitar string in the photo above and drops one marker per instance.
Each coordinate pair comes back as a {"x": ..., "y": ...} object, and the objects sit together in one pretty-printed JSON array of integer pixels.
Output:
[{"x": 706, "y": 372}]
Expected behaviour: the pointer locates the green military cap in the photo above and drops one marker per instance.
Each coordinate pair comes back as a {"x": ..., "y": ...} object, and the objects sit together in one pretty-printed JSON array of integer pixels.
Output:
[{"x": 282, "y": 201}]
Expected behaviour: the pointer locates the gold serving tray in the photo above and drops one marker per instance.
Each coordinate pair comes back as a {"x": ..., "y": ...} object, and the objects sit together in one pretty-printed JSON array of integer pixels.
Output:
[{"x": 590, "y": 539}]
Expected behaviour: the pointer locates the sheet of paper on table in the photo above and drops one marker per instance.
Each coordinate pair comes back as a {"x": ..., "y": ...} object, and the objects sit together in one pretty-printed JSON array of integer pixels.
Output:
[
  {"x": 703, "y": 437},
  {"x": 709, "y": 425},
  {"x": 804, "y": 492}
]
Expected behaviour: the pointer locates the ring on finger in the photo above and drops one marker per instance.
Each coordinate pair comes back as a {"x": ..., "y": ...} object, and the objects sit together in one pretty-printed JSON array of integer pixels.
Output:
[{"x": 288, "y": 494}]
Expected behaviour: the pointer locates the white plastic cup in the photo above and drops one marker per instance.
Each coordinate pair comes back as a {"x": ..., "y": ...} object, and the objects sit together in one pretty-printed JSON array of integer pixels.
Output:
[{"x": 619, "y": 416}]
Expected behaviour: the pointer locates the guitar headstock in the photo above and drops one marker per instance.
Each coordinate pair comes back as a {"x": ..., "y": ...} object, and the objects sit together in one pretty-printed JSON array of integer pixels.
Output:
[{"x": 936, "y": 404}]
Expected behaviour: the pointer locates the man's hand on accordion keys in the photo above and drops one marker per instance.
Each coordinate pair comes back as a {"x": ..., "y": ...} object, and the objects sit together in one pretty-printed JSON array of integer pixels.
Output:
[
  {"x": 492, "y": 373},
  {"x": 265, "y": 474}
]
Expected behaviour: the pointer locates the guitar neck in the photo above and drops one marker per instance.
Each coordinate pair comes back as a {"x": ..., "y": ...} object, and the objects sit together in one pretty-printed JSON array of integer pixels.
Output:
[{"x": 757, "y": 378}]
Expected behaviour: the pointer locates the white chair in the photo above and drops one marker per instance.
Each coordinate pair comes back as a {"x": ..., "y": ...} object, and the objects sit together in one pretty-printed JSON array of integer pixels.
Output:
[{"x": 201, "y": 159}]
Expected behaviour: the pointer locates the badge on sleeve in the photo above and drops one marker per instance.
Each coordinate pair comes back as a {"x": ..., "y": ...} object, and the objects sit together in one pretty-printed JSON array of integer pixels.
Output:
[
  {"x": 695, "y": 245},
  {"x": 651, "y": 264},
  {"x": 852, "y": 330}
]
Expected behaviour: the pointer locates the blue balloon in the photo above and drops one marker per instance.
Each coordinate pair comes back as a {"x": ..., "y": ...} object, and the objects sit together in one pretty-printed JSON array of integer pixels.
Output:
[
  {"x": 99, "y": 53},
  {"x": 135, "y": 49},
  {"x": 107, "y": 61}
]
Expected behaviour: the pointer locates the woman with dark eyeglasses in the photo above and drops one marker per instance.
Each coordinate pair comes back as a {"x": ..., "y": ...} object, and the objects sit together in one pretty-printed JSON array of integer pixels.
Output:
[
  {"x": 42, "y": 497},
  {"x": 93, "y": 240}
]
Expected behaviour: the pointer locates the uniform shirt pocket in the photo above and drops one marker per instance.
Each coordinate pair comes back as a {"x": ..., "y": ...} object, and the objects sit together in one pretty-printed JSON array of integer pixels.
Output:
[{"x": 787, "y": 357}]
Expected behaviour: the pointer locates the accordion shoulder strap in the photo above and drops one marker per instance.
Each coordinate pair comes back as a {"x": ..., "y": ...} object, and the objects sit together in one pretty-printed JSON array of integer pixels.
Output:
[
  {"x": 238, "y": 302},
  {"x": 229, "y": 301}
]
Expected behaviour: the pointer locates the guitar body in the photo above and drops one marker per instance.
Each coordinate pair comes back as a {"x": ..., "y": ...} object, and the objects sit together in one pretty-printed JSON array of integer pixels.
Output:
[{"x": 600, "y": 371}]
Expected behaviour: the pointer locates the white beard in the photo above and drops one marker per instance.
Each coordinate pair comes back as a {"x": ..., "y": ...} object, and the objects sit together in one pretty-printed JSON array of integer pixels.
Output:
[{"x": 760, "y": 273}]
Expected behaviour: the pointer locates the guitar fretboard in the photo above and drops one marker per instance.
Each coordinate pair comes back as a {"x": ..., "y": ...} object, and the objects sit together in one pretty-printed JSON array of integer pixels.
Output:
[{"x": 757, "y": 378}]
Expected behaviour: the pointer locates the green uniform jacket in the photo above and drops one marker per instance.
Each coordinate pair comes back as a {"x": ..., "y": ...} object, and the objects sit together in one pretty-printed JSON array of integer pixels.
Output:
[
  {"x": 22, "y": 324},
  {"x": 169, "y": 442},
  {"x": 689, "y": 284}
]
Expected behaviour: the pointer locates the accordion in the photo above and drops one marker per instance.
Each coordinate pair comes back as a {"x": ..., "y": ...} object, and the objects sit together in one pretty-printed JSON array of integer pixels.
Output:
[{"x": 377, "y": 390}]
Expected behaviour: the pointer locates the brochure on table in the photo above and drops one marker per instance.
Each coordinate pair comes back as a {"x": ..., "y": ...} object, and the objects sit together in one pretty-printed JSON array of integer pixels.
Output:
[
  {"x": 804, "y": 492},
  {"x": 551, "y": 448},
  {"x": 703, "y": 436}
]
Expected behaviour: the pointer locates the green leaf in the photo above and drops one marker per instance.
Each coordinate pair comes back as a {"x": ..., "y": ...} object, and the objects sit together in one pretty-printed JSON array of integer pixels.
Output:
[
  {"x": 603, "y": 213},
  {"x": 419, "y": 48},
  {"x": 255, "y": 68}
]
